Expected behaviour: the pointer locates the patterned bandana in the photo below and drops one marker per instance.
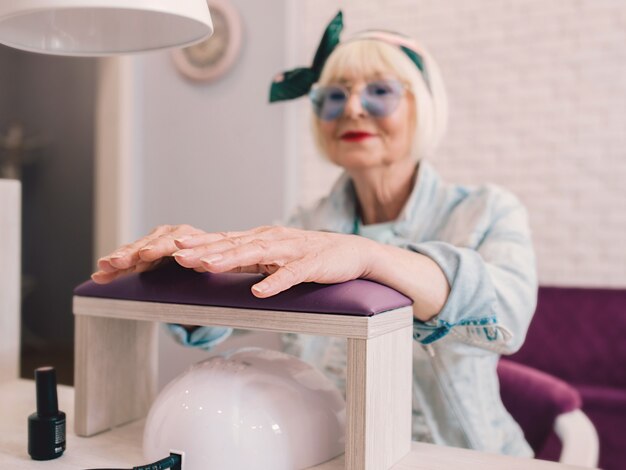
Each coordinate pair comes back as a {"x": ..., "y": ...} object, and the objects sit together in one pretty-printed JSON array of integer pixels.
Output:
[{"x": 298, "y": 82}]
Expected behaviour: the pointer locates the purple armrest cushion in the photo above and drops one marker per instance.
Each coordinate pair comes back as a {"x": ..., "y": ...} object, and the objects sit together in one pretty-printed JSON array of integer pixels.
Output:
[
  {"x": 173, "y": 284},
  {"x": 535, "y": 399}
]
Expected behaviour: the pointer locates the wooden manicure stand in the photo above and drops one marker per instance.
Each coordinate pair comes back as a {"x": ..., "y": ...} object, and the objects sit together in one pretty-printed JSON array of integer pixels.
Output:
[{"x": 116, "y": 347}]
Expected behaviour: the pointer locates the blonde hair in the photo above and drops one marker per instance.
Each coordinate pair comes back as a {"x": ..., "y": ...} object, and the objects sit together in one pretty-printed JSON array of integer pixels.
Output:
[{"x": 370, "y": 57}]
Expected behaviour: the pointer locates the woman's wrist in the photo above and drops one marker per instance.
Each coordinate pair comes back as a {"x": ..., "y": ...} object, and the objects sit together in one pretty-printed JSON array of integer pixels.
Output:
[{"x": 413, "y": 274}]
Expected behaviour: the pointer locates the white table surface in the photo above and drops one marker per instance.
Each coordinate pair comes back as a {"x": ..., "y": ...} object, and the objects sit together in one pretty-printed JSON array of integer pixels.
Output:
[{"x": 121, "y": 447}]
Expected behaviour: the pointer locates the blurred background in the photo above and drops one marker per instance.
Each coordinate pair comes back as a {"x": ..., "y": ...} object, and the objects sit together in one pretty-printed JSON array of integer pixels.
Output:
[{"x": 108, "y": 148}]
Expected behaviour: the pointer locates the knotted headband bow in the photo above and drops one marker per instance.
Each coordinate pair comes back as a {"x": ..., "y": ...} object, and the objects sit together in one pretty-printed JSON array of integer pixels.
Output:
[{"x": 298, "y": 82}]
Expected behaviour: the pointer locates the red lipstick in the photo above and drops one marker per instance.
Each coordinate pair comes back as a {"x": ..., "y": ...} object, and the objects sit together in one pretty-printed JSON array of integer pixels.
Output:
[{"x": 355, "y": 136}]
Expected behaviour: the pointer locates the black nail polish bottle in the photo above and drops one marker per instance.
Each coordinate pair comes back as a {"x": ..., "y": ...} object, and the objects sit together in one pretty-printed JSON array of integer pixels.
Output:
[{"x": 46, "y": 427}]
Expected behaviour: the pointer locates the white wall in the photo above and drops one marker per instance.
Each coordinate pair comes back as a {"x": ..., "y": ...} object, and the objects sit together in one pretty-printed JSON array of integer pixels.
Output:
[
  {"x": 538, "y": 105},
  {"x": 213, "y": 154},
  {"x": 209, "y": 154}
]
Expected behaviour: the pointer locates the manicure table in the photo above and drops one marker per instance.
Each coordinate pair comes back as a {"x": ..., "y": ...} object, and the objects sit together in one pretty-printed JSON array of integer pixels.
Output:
[
  {"x": 121, "y": 447},
  {"x": 116, "y": 368}
]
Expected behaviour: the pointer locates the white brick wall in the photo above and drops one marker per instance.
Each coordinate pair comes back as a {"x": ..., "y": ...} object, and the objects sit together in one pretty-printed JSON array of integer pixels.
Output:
[{"x": 538, "y": 105}]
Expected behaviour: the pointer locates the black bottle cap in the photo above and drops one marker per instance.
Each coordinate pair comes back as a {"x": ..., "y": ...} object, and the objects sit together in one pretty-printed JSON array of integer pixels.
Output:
[{"x": 46, "y": 382}]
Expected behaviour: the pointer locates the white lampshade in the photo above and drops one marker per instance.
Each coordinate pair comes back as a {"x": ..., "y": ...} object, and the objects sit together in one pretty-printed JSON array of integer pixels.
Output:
[{"x": 102, "y": 27}]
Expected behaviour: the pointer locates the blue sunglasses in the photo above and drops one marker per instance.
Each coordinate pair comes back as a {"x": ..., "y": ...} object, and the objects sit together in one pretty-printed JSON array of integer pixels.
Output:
[{"x": 379, "y": 98}]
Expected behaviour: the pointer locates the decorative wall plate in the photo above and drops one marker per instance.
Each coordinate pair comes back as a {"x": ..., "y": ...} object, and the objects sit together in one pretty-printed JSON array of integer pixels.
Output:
[{"x": 213, "y": 57}]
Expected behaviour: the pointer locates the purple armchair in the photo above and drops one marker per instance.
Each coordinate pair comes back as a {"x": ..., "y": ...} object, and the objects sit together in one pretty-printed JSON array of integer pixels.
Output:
[
  {"x": 578, "y": 336},
  {"x": 544, "y": 405}
]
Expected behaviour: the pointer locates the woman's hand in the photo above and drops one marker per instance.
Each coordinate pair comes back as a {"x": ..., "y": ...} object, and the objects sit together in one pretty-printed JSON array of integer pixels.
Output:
[
  {"x": 289, "y": 256},
  {"x": 142, "y": 255}
]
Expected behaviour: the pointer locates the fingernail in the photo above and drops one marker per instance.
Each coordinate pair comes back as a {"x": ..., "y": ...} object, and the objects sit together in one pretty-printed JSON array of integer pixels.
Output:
[
  {"x": 181, "y": 254},
  {"x": 116, "y": 256},
  {"x": 182, "y": 239},
  {"x": 260, "y": 288},
  {"x": 147, "y": 247},
  {"x": 212, "y": 259}
]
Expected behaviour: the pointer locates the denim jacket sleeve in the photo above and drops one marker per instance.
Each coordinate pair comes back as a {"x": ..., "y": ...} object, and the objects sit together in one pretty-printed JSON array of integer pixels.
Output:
[{"x": 493, "y": 283}]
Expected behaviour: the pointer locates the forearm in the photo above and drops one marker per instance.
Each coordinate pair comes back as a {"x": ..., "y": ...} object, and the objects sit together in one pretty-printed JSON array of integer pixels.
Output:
[{"x": 415, "y": 275}]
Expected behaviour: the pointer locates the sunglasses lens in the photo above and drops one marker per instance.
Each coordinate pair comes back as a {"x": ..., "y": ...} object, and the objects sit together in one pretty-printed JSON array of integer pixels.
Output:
[
  {"x": 328, "y": 102},
  {"x": 381, "y": 98}
]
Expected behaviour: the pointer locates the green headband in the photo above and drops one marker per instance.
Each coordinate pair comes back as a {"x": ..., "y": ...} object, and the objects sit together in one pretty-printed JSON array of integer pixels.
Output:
[{"x": 298, "y": 82}]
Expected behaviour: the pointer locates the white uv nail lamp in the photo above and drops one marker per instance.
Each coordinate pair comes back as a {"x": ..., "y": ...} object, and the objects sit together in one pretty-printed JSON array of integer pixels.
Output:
[{"x": 255, "y": 408}]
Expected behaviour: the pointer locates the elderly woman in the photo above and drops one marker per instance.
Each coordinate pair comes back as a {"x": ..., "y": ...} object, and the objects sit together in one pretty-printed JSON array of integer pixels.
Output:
[{"x": 462, "y": 254}]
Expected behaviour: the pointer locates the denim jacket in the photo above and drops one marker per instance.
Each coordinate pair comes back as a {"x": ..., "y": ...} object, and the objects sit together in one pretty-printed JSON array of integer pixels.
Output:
[{"x": 480, "y": 238}]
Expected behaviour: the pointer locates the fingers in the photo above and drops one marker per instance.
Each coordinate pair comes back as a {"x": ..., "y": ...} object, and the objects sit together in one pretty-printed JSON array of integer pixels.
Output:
[
  {"x": 269, "y": 250},
  {"x": 128, "y": 255},
  {"x": 163, "y": 244},
  {"x": 103, "y": 277},
  {"x": 193, "y": 241},
  {"x": 105, "y": 265},
  {"x": 289, "y": 256},
  {"x": 255, "y": 252},
  {"x": 193, "y": 248},
  {"x": 284, "y": 278},
  {"x": 142, "y": 254},
  {"x": 209, "y": 245}
]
